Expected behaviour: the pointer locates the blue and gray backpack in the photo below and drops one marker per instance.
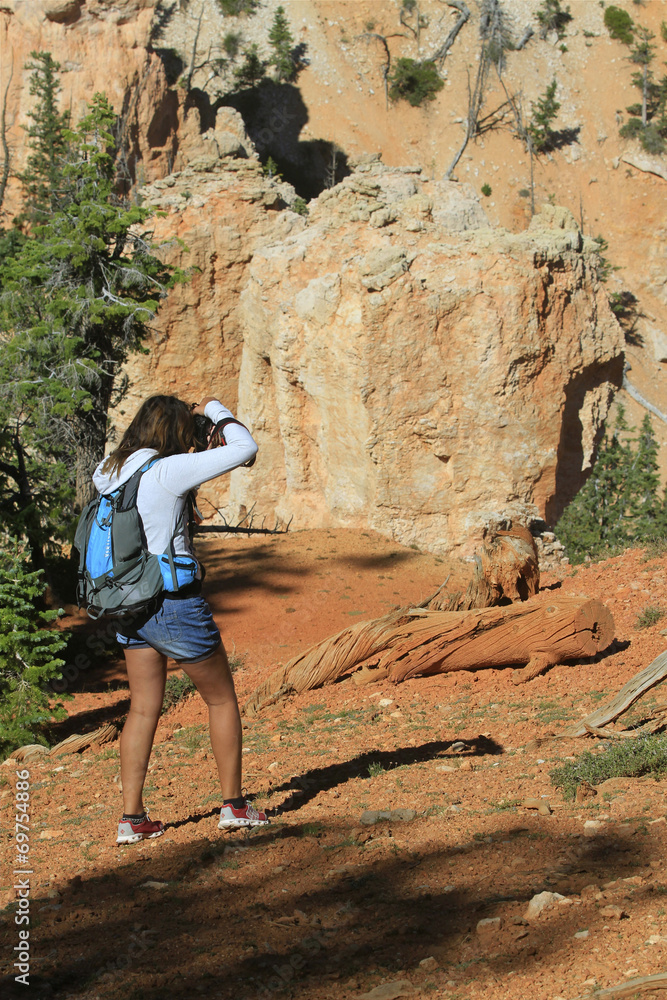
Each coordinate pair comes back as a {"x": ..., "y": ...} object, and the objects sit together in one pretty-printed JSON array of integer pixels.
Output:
[{"x": 118, "y": 576}]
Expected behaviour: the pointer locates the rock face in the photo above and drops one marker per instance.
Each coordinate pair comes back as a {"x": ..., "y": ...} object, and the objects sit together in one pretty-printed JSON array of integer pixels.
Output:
[
  {"x": 408, "y": 369},
  {"x": 100, "y": 46},
  {"x": 403, "y": 366}
]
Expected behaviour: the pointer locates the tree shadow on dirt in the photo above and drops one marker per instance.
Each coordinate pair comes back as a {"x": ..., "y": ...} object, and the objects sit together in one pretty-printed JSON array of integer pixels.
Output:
[
  {"x": 291, "y": 930},
  {"x": 307, "y": 786}
]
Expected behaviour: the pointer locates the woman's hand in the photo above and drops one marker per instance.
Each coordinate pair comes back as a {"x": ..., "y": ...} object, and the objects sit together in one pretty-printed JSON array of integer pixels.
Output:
[{"x": 200, "y": 407}]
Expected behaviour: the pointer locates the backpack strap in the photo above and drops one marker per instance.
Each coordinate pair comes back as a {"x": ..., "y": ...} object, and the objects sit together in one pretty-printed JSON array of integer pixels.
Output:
[
  {"x": 126, "y": 495},
  {"x": 185, "y": 520}
]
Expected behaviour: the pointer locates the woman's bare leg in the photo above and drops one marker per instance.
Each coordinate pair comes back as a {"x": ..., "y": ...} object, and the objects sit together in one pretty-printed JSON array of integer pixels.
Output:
[
  {"x": 147, "y": 673},
  {"x": 214, "y": 682}
]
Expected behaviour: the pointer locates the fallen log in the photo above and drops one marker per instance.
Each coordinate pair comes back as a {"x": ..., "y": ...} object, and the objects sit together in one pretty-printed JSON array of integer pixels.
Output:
[
  {"x": 418, "y": 641},
  {"x": 73, "y": 744}
]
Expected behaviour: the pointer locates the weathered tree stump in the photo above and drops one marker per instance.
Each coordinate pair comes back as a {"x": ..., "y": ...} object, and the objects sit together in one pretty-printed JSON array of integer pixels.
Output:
[
  {"x": 505, "y": 569},
  {"x": 417, "y": 641}
]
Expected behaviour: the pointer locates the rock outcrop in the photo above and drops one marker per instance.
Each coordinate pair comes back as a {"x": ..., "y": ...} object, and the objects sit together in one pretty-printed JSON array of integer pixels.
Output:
[
  {"x": 403, "y": 365},
  {"x": 408, "y": 372}
]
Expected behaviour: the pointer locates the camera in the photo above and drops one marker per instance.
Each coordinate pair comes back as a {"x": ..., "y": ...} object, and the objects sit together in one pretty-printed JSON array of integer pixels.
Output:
[{"x": 209, "y": 435}]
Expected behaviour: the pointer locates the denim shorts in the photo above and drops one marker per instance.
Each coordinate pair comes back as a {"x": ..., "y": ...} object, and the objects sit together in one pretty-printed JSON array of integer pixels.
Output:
[{"x": 182, "y": 628}]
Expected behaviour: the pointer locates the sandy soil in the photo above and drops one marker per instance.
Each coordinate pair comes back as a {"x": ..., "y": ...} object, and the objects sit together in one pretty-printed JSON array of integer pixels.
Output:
[{"x": 319, "y": 905}]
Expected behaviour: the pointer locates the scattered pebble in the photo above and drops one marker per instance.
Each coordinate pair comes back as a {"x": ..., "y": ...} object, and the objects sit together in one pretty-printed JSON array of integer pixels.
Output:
[
  {"x": 372, "y": 816},
  {"x": 390, "y": 991},
  {"x": 542, "y": 806},
  {"x": 581, "y": 935},
  {"x": 541, "y": 902}
]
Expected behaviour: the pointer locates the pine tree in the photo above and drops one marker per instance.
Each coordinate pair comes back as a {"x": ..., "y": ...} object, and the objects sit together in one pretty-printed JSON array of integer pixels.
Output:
[
  {"x": 282, "y": 43},
  {"x": 28, "y": 657},
  {"x": 543, "y": 114},
  {"x": 594, "y": 523},
  {"x": 252, "y": 70},
  {"x": 642, "y": 504},
  {"x": 46, "y": 140},
  {"x": 75, "y": 298}
]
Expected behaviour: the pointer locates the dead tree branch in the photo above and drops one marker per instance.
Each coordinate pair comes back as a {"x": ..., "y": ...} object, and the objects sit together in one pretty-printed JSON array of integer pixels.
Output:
[{"x": 464, "y": 15}]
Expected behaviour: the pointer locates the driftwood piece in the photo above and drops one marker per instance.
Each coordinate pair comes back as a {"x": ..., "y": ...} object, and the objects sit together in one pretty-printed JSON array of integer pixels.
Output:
[
  {"x": 631, "y": 988},
  {"x": 505, "y": 568},
  {"x": 417, "y": 641}
]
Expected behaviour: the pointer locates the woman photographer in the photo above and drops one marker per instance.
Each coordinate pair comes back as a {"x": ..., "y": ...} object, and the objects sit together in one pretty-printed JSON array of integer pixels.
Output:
[{"x": 163, "y": 431}]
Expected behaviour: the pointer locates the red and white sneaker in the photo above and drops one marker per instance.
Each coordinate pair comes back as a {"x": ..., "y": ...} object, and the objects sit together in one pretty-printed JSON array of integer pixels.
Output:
[
  {"x": 131, "y": 833},
  {"x": 234, "y": 819}
]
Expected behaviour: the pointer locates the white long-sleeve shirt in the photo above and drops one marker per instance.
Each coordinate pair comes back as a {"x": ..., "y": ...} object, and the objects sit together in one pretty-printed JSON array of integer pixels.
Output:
[{"x": 164, "y": 488}]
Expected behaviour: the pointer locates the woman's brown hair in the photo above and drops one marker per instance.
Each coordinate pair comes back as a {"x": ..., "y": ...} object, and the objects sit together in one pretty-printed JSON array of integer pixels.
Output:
[{"x": 164, "y": 423}]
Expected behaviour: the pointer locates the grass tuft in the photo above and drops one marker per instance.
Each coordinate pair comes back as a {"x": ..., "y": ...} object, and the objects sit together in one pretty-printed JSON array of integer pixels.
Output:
[
  {"x": 178, "y": 688},
  {"x": 650, "y": 615},
  {"x": 626, "y": 758}
]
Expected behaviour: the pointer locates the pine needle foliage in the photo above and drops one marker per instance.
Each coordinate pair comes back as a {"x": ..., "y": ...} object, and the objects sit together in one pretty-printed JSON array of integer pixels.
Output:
[
  {"x": 28, "y": 657},
  {"x": 252, "y": 70},
  {"x": 77, "y": 294},
  {"x": 648, "y": 117},
  {"x": 619, "y": 505}
]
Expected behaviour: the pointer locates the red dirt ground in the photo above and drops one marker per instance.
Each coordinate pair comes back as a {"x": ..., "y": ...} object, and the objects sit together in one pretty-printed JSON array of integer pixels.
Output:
[{"x": 318, "y": 905}]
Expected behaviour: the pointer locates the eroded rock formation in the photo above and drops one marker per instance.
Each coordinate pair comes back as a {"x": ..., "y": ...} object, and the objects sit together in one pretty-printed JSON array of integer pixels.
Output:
[{"x": 404, "y": 366}]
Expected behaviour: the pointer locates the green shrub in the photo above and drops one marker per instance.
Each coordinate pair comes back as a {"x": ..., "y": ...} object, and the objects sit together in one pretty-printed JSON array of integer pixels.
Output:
[
  {"x": 235, "y": 8},
  {"x": 619, "y": 24},
  {"x": 28, "y": 657},
  {"x": 270, "y": 169},
  {"x": 649, "y": 135},
  {"x": 486, "y": 190},
  {"x": 649, "y": 616},
  {"x": 178, "y": 688},
  {"x": 623, "y": 758},
  {"x": 231, "y": 44},
  {"x": 299, "y": 206},
  {"x": 552, "y": 17},
  {"x": 414, "y": 81}
]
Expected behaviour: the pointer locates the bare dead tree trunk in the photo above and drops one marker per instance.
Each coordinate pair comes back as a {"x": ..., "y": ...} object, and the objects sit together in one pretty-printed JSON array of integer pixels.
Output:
[
  {"x": 6, "y": 163},
  {"x": 387, "y": 65},
  {"x": 525, "y": 38},
  {"x": 192, "y": 67},
  {"x": 475, "y": 100},
  {"x": 440, "y": 55}
]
